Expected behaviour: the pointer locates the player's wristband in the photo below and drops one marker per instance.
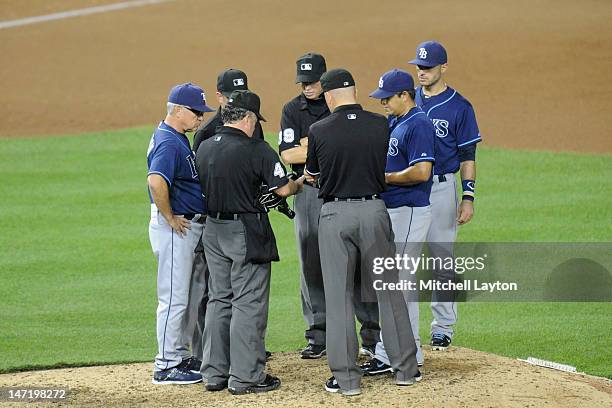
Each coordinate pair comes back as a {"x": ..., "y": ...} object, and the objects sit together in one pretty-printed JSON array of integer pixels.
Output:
[{"x": 468, "y": 189}]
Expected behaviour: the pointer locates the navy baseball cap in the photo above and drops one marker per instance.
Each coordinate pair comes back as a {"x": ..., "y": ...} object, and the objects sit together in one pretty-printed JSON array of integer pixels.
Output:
[
  {"x": 336, "y": 78},
  {"x": 189, "y": 95},
  {"x": 393, "y": 82},
  {"x": 246, "y": 100},
  {"x": 430, "y": 54},
  {"x": 232, "y": 80},
  {"x": 310, "y": 67}
]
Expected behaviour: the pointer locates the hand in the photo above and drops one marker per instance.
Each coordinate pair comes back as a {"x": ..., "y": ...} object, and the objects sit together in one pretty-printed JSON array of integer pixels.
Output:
[
  {"x": 465, "y": 212},
  {"x": 300, "y": 183},
  {"x": 304, "y": 141},
  {"x": 179, "y": 224}
]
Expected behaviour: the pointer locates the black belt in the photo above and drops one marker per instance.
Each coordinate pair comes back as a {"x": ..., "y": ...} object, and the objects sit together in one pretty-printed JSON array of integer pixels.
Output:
[
  {"x": 351, "y": 199},
  {"x": 199, "y": 218},
  {"x": 441, "y": 178},
  {"x": 226, "y": 216}
]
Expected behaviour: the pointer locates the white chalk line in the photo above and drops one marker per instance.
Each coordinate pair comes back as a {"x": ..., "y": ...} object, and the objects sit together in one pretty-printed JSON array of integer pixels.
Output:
[{"x": 78, "y": 12}]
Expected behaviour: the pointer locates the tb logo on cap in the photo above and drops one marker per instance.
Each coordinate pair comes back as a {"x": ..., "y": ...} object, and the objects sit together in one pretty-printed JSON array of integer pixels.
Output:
[
  {"x": 238, "y": 82},
  {"x": 204, "y": 97},
  {"x": 306, "y": 67},
  {"x": 422, "y": 53}
]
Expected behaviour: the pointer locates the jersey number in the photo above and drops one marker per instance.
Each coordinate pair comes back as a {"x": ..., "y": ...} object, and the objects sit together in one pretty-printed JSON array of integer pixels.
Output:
[{"x": 278, "y": 170}]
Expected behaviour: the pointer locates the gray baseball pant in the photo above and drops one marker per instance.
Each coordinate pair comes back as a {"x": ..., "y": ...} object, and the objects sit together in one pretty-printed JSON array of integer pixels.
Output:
[
  {"x": 174, "y": 255},
  {"x": 441, "y": 238},
  {"x": 237, "y": 313},
  {"x": 199, "y": 299},
  {"x": 307, "y": 207},
  {"x": 352, "y": 233},
  {"x": 410, "y": 226}
]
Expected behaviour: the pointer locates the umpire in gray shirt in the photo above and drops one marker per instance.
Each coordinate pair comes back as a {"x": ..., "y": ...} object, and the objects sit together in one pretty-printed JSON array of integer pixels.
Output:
[
  {"x": 347, "y": 153},
  {"x": 239, "y": 244}
]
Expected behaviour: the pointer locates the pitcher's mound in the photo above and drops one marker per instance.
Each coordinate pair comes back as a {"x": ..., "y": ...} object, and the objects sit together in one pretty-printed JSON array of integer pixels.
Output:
[{"x": 458, "y": 377}]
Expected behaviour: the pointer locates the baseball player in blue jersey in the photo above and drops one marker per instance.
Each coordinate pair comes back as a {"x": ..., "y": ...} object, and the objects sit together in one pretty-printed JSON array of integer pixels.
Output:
[
  {"x": 177, "y": 218},
  {"x": 408, "y": 175},
  {"x": 457, "y": 135}
]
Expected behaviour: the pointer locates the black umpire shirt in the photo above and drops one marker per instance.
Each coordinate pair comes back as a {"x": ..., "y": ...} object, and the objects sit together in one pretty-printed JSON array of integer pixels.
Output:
[
  {"x": 214, "y": 125},
  {"x": 298, "y": 114},
  {"x": 348, "y": 151},
  {"x": 232, "y": 167}
]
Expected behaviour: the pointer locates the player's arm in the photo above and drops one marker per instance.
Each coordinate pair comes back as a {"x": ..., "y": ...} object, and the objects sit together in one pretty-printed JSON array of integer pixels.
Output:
[
  {"x": 275, "y": 174},
  {"x": 467, "y": 170},
  {"x": 161, "y": 197},
  {"x": 418, "y": 173},
  {"x": 418, "y": 145},
  {"x": 296, "y": 155},
  {"x": 311, "y": 169}
]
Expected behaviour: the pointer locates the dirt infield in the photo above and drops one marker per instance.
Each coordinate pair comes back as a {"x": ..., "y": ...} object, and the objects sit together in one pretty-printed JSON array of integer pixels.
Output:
[
  {"x": 457, "y": 378},
  {"x": 538, "y": 73}
]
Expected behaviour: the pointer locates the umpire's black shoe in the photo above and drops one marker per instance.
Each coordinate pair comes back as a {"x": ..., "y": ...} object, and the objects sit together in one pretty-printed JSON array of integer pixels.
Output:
[
  {"x": 313, "y": 351},
  {"x": 375, "y": 367},
  {"x": 268, "y": 355},
  {"x": 270, "y": 383},
  {"x": 332, "y": 385},
  {"x": 216, "y": 387},
  {"x": 440, "y": 341},
  {"x": 418, "y": 377},
  {"x": 192, "y": 364}
]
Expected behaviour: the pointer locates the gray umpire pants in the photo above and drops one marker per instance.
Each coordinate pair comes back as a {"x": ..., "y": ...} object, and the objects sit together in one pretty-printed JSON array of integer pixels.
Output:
[
  {"x": 351, "y": 234},
  {"x": 441, "y": 238},
  {"x": 199, "y": 296},
  {"x": 175, "y": 256},
  {"x": 237, "y": 313},
  {"x": 410, "y": 226},
  {"x": 307, "y": 207}
]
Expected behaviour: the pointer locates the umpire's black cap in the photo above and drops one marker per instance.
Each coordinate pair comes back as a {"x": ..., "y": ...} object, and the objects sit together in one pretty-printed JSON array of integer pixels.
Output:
[
  {"x": 310, "y": 67},
  {"x": 232, "y": 80},
  {"x": 336, "y": 78},
  {"x": 246, "y": 100}
]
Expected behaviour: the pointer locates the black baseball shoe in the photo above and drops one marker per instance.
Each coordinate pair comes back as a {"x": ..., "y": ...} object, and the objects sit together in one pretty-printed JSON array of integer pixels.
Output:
[
  {"x": 440, "y": 341},
  {"x": 332, "y": 385},
  {"x": 176, "y": 375},
  {"x": 313, "y": 351},
  {"x": 216, "y": 386},
  {"x": 418, "y": 377},
  {"x": 368, "y": 351},
  {"x": 192, "y": 364},
  {"x": 270, "y": 383},
  {"x": 375, "y": 367}
]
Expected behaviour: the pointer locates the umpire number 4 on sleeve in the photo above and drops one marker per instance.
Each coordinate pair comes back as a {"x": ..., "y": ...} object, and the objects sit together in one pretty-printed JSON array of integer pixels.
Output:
[{"x": 278, "y": 170}]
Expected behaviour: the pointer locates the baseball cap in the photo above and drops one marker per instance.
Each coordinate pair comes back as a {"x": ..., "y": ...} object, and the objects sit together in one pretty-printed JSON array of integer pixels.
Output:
[
  {"x": 430, "y": 54},
  {"x": 246, "y": 100},
  {"x": 231, "y": 80},
  {"x": 393, "y": 82},
  {"x": 336, "y": 78},
  {"x": 189, "y": 95},
  {"x": 310, "y": 67}
]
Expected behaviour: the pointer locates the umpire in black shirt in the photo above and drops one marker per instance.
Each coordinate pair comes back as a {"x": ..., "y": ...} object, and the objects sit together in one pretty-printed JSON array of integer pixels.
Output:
[
  {"x": 347, "y": 152},
  {"x": 239, "y": 244},
  {"x": 228, "y": 81}
]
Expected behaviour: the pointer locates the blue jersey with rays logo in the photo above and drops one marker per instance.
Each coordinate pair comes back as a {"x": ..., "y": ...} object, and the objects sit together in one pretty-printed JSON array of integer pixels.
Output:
[
  {"x": 170, "y": 156},
  {"x": 411, "y": 141},
  {"x": 455, "y": 123}
]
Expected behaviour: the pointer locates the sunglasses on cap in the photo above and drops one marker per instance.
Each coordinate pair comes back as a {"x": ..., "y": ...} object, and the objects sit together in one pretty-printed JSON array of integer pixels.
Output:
[{"x": 198, "y": 113}]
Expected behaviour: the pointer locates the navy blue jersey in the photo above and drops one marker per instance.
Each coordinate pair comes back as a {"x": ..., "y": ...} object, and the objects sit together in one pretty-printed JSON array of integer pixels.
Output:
[
  {"x": 455, "y": 123},
  {"x": 411, "y": 141},
  {"x": 171, "y": 157}
]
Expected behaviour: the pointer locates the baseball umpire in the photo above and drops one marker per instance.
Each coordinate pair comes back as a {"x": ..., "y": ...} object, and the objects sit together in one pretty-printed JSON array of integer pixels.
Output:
[
  {"x": 409, "y": 178},
  {"x": 457, "y": 134},
  {"x": 347, "y": 153},
  {"x": 297, "y": 116},
  {"x": 228, "y": 81},
  {"x": 177, "y": 215},
  {"x": 239, "y": 244}
]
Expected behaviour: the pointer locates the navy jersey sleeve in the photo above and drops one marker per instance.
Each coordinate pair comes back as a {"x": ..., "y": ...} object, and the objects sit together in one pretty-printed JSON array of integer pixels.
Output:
[
  {"x": 467, "y": 128},
  {"x": 289, "y": 136},
  {"x": 163, "y": 160},
  {"x": 272, "y": 170},
  {"x": 420, "y": 143},
  {"x": 312, "y": 162}
]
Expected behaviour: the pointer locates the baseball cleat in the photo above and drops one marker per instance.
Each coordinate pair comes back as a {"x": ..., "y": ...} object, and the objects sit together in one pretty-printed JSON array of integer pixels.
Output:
[
  {"x": 176, "y": 375},
  {"x": 368, "y": 351},
  {"x": 440, "y": 341},
  {"x": 411, "y": 381},
  {"x": 332, "y": 385},
  {"x": 270, "y": 383},
  {"x": 375, "y": 367},
  {"x": 192, "y": 364},
  {"x": 313, "y": 351}
]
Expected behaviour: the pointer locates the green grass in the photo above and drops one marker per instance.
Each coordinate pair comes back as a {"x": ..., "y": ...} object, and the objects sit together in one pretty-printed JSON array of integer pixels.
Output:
[{"x": 77, "y": 276}]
